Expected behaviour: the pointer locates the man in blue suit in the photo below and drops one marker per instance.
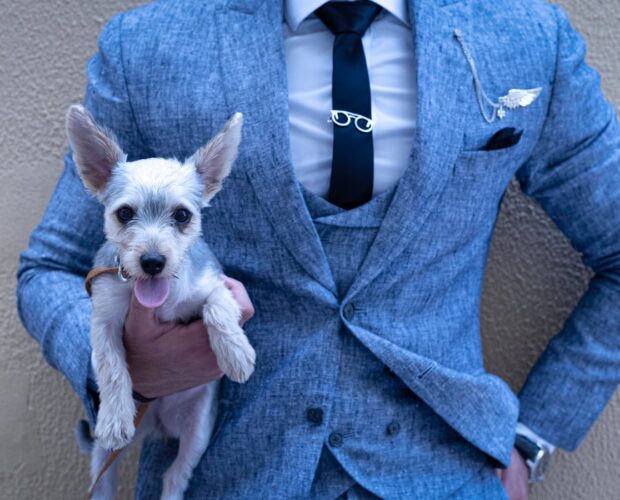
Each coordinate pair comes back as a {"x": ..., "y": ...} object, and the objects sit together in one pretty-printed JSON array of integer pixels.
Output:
[{"x": 379, "y": 141}]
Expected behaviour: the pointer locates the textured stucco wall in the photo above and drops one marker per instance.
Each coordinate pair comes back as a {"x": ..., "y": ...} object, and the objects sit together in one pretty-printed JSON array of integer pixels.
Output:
[{"x": 533, "y": 279}]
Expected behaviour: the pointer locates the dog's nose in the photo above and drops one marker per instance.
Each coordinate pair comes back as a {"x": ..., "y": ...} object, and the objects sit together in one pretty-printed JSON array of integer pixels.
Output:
[{"x": 152, "y": 263}]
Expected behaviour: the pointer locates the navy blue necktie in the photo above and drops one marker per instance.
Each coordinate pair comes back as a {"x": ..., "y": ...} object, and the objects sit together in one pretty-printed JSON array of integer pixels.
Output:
[{"x": 352, "y": 158}]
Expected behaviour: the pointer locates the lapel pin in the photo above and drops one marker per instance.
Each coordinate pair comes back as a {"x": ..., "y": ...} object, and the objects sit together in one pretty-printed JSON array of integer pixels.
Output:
[{"x": 514, "y": 99}]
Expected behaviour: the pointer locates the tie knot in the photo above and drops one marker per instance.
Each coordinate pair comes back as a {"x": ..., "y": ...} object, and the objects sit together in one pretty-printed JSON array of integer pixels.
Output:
[{"x": 348, "y": 17}]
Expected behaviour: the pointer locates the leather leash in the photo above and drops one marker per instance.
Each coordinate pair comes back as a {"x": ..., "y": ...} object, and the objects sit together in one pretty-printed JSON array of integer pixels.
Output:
[
  {"x": 144, "y": 406},
  {"x": 114, "y": 455}
]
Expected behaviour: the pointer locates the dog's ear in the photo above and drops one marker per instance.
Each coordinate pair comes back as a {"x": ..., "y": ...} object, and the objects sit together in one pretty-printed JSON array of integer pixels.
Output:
[
  {"x": 95, "y": 150},
  {"x": 213, "y": 161}
]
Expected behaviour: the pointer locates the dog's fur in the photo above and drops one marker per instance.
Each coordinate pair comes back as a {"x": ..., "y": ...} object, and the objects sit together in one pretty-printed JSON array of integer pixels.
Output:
[{"x": 155, "y": 189}]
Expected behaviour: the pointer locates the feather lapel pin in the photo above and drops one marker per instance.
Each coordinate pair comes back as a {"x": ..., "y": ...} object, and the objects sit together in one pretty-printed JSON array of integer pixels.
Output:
[
  {"x": 517, "y": 98},
  {"x": 514, "y": 99}
]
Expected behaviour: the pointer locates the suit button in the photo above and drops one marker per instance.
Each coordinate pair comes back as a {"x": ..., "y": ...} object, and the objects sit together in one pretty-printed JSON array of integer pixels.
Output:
[
  {"x": 335, "y": 439},
  {"x": 393, "y": 428},
  {"x": 348, "y": 311},
  {"x": 315, "y": 415}
]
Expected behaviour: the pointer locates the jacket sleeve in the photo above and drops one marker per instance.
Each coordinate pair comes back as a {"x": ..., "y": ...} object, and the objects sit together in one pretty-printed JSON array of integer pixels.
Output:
[
  {"x": 574, "y": 173},
  {"x": 52, "y": 302}
]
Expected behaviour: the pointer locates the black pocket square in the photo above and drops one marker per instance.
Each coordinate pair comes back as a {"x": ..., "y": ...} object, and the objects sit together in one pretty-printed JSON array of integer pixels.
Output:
[{"x": 503, "y": 138}]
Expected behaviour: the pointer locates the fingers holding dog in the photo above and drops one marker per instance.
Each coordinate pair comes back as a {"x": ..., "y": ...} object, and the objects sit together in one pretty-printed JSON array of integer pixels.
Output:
[{"x": 241, "y": 297}]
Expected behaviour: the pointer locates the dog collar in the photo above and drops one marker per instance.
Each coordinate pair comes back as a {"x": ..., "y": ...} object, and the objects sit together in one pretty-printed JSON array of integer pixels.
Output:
[{"x": 119, "y": 270}]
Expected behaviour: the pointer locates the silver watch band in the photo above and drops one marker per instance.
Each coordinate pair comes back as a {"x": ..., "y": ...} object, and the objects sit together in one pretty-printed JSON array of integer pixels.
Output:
[{"x": 536, "y": 456}]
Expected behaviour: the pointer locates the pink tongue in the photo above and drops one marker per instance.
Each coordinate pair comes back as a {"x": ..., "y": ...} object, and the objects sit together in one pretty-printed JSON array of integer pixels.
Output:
[{"x": 152, "y": 292}]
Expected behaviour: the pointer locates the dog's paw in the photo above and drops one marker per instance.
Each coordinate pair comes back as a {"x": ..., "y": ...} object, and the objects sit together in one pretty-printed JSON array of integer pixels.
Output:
[
  {"x": 114, "y": 430},
  {"x": 240, "y": 365},
  {"x": 172, "y": 490},
  {"x": 171, "y": 496},
  {"x": 235, "y": 355}
]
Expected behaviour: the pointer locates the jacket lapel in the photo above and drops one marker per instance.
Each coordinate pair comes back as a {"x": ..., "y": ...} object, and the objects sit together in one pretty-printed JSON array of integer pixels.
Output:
[
  {"x": 254, "y": 72},
  {"x": 443, "y": 77}
]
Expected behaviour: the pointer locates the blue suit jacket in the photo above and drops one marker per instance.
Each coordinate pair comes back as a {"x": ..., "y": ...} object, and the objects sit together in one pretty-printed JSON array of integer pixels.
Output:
[{"x": 165, "y": 79}]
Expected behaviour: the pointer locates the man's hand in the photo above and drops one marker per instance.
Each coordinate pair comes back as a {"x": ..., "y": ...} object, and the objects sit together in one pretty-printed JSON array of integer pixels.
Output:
[
  {"x": 241, "y": 296},
  {"x": 164, "y": 358},
  {"x": 515, "y": 477}
]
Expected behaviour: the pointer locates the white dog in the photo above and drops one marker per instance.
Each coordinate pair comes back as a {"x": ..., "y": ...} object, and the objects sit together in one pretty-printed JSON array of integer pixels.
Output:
[{"x": 153, "y": 228}]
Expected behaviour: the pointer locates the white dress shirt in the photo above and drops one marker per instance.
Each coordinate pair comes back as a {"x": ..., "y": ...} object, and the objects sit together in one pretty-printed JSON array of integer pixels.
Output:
[
  {"x": 388, "y": 46},
  {"x": 390, "y": 57}
]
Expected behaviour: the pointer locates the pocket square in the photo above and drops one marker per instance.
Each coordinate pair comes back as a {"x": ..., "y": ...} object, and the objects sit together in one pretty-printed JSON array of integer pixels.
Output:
[{"x": 503, "y": 138}]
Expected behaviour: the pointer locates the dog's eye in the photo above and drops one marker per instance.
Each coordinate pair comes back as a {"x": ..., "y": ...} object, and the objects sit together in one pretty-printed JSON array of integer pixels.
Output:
[
  {"x": 182, "y": 215},
  {"x": 124, "y": 214}
]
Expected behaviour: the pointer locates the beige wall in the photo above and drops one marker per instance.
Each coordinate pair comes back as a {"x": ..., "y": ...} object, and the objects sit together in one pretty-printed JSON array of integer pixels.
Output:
[{"x": 533, "y": 279}]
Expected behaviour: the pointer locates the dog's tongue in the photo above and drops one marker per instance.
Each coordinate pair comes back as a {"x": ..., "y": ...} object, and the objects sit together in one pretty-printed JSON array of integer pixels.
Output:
[{"x": 152, "y": 292}]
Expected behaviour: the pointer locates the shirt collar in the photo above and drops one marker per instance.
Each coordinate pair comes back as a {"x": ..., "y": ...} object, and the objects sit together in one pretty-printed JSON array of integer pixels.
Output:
[{"x": 295, "y": 11}]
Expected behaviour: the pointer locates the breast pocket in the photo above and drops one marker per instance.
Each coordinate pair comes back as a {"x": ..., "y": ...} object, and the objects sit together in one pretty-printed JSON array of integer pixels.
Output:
[
  {"x": 473, "y": 164},
  {"x": 481, "y": 177}
]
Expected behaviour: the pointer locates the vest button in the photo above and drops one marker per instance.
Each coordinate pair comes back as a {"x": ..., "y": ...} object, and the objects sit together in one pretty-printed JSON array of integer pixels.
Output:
[
  {"x": 335, "y": 439},
  {"x": 348, "y": 311},
  {"x": 315, "y": 415},
  {"x": 393, "y": 428}
]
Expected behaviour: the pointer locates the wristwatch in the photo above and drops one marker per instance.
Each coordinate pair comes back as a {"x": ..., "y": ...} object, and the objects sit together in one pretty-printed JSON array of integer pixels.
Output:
[{"x": 536, "y": 456}]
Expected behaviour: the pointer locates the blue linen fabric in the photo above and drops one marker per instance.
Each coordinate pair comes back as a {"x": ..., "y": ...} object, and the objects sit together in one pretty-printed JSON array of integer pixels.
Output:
[
  {"x": 406, "y": 321},
  {"x": 362, "y": 381}
]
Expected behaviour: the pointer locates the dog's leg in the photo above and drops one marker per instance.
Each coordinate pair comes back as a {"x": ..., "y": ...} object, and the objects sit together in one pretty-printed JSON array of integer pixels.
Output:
[
  {"x": 221, "y": 315},
  {"x": 108, "y": 483},
  {"x": 114, "y": 428},
  {"x": 106, "y": 487},
  {"x": 194, "y": 435}
]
